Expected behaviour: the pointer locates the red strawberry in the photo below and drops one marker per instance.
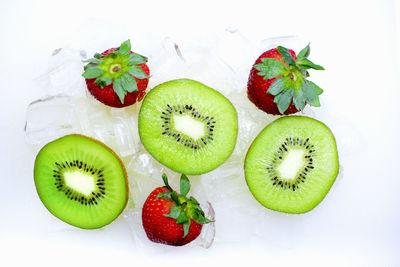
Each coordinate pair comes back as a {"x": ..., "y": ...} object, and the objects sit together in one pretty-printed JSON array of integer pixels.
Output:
[
  {"x": 117, "y": 77},
  {"x": 171, "y": 218},
  {"x": 277, "y": 83}
]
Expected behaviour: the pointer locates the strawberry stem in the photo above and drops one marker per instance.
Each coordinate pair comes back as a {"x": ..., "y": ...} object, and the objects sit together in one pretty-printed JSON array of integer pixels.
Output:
[{"x": 114, "y": 68}]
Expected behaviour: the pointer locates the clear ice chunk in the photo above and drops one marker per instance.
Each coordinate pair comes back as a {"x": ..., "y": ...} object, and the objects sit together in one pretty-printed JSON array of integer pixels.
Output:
[
  {"x": 207, "y": 235},
  {"x": 199, "y": 60},
  {"x": 125, "y": 125},
  {"x": 238, "y": 54},
  {"x": 168, "y": 58},
  {"x": 65, "y": 73},
  {"x": 49, "y": 118},
  {"x": 144, "y": 174},
  {"x": 94, "y": 120}
]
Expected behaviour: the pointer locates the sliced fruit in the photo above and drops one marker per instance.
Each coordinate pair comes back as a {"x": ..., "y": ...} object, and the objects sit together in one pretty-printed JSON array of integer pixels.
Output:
[
  {"x": 292, "y": 164},
  {"x": 81, "y": 181},
  {"x": 188, "y": 126}
]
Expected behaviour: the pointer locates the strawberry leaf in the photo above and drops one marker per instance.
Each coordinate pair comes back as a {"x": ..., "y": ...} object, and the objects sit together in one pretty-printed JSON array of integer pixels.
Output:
[
  {"x": 304, "y": 53},
  {"x": 92, "y": 73},
  {"x": 174, "y": 213},
  {"x": 136, "y": 59},
  {"x": 315, "y": 102},
  {"x": 93, "y": 60},
  {"x": 278, "y": 86},
  {"x": 314, "y": 87},
  {"x": 298, "y": 100},
  {"x": 311, "y": 92},
  {"x": 184, "y": 185},
  {"x": 125, "y": 47},
  {"x": 165, "y": 179},
  {"x": 199, "y": 217},
  {"x": 90, "y": 65},
  {"x": 128, "y": 83},
  {"x": 175, "y": 197},
  {"x": 193, "y": 200},
  {"x": 119, "y": 90},
  {"x": 286, "y": 55},
  {"x": 306, "y": 64},
  {"x": 137, "y": 72},
  {"x": 317, "y": 89},
  {"x": 283, "y": 100},
  {"x": 166, "y": 195},
  {"x": 98, "y": 55},
  {"x": 103, "y": 81},
  {"x": 186, "y": 227},
  {"x": 271, "y": 68},
  {"x": 182, "y": 218}
]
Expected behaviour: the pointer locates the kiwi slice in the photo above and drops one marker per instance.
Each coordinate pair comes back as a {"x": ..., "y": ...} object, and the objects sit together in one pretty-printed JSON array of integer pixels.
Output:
[
  {"x": 292, "y": 164},
  {"x": 188, "y": 126},
  {"x": 81, "y": 181}
]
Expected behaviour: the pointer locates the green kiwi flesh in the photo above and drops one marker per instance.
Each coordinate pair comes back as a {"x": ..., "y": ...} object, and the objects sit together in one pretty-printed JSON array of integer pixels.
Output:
[
  {"x": 188, "y": 126},
  {"x": 292, "y": 164},
  {"x": 81, "y": 181}
]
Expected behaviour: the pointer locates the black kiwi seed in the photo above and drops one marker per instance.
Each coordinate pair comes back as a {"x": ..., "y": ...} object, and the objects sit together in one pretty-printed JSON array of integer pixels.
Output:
[
  {"x": 72, "y": 194},
  {"x": 185, "y": 140},
  {"x": 280, "y": 153}
]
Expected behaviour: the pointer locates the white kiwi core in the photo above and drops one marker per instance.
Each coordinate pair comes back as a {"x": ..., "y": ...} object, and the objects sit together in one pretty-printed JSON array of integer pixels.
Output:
[
  {"x": 80, "y": 182},
  {"x": 189, "y": 126},
  {"x": 291, "y": 164}
]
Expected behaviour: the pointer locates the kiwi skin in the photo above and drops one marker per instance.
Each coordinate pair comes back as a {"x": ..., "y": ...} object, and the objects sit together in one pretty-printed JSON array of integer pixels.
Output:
[
  {"x": 335, "y": 174},
  {"x": 123, "y": 169}
]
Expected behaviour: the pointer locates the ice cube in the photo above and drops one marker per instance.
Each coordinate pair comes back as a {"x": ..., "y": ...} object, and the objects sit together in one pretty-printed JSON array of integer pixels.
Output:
[
  {"x": 125, "y": 125},
  {"x": 199, "y": 60},
  {"x": 94, "y": 121},
  {"x": 49, "y": 118},
  {"x": 238, "y": 54},
  {"x": 168, "y": 64},
  {"x": 207, "y": 235},
  {"x": 65, "y": 73}
]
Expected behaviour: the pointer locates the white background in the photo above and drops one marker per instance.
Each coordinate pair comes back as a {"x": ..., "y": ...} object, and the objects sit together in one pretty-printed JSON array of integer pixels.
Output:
[{"x": 356, "y": 41}]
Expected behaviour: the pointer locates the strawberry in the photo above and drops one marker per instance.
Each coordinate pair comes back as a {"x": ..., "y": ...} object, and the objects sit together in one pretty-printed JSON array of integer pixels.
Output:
[
  {"x": 171, "y": 218},
  {"x": 117, "y": 77},
  {"x": 277, "y": 83}
]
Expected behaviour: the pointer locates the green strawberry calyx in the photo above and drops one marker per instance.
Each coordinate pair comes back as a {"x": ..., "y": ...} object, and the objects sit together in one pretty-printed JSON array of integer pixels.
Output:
[
  {"x": 291, "y": 83},
  {"x": 186, "y": 208},
  {"x": 119, "y": 68}
]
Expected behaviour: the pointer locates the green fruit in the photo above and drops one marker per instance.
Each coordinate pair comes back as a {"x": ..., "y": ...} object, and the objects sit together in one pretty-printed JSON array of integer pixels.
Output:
[
  {"x": 81, "y": 181},
  {"x": 292, "y": 164},
  {"x": 188, "y": 126}
]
